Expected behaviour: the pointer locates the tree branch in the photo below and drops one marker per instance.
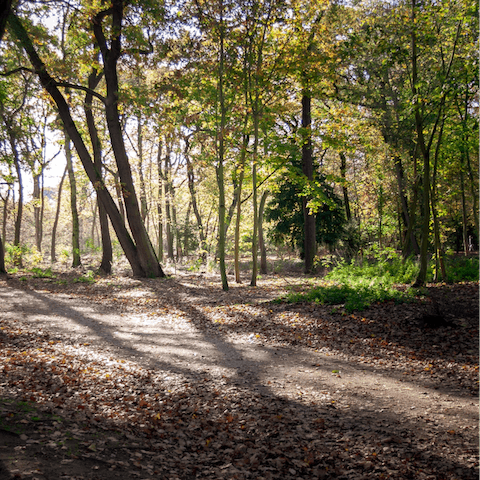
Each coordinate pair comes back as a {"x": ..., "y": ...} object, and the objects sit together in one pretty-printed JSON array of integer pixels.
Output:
[
  {"x": 83, "y": 89},
  {"x": 16, "y": 70}
]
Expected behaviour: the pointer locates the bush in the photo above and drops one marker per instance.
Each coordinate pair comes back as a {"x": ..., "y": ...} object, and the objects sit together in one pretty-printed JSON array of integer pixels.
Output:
[
  {"x": 355, "y": 296},
  {"x": 357, "y": 285},
  {"x": 461, "y": 269}
]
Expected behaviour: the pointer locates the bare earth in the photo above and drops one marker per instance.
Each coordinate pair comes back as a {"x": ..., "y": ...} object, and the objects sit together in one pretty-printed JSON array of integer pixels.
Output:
[{"x": 174, "y": 378}]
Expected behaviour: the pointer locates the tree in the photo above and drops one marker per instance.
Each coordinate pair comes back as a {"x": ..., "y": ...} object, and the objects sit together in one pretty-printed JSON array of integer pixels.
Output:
[
  {"x": 141, "y": 255},
  {"x": 73, "y": 205},
  {"x": 285, "y": 211}
]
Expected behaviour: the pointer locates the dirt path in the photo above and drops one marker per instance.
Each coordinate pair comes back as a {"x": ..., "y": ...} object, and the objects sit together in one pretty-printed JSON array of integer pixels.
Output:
[{"x": 400, "y": 418}]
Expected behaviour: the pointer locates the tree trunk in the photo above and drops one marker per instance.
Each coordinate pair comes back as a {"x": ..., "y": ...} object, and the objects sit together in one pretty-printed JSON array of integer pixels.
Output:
[
  {"x": 411, "y": 244},
  {"x": 118, "y": 193},
  {"x": 168, "y": 209},
  {"x": 261, "y": 239},
  {"x": 238, "y": 193},
  {"x": 186, "y": 231},
  {"x": 5, "y": 215},
  {"x": 176, "y": 228},
  {"x": 107, "y": 252},
  {"x": 439, "y": 256},
  {"x": 159, "y": 202},
  {"x": 2, "y": 257},
  {"x": 256, "y": 121},
  {"x": 464, "y": 210},
  {"x": 73, "y": 205},
  {"x": 36, "y": 210},
  {"x": 196, "y": 211},
  {"x": 220, "y": 157},
  {"x": 145, "y": 252},
  {"x": 310, "y": 243},
  {"x": 463, "y": 114},
  {"x": 473, "y": 190},
  {"x": 343, "y": 171},
  {"x": 53, "y": 255},
  {"x": 17, "y": 260},
  {"x": 94, "y": 223},
  {"x": 143, "y": 194}
]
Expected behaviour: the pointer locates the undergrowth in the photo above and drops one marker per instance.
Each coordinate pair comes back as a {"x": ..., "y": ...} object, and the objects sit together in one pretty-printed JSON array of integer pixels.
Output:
[{"x": 359, "y": 284}]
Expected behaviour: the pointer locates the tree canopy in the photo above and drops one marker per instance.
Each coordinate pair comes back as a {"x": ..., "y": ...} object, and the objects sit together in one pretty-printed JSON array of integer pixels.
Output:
[{"x": 183, "y": 114}]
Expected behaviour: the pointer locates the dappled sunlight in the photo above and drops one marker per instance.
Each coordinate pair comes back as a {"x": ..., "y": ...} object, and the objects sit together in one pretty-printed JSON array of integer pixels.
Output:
[{"x": 238, "y": 381}]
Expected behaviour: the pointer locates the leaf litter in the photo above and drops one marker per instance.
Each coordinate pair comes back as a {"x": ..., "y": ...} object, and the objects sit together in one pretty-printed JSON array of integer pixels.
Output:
[{"x": 279, "y": 391}]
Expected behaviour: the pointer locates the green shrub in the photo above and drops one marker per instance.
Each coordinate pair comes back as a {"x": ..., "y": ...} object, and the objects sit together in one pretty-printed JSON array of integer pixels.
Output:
[
  {"x": 461, "y": 269},
  {"x": 89, "y": 277},
  {"x": 357, "y": 285},
  {"x": 357, "y": 296},
  {"x": 39, "y": 273}
]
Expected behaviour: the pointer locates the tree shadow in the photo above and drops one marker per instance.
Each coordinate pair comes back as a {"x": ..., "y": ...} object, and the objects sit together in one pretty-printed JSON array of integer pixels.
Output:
[{"x": 252, "y": 430}]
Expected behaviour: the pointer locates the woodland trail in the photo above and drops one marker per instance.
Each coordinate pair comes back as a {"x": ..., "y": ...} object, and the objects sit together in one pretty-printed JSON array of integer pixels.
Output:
[{"x": 374, "y": 420}]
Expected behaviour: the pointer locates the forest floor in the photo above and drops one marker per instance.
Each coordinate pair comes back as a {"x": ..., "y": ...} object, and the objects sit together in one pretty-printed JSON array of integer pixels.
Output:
[{"x": 175, "y": 379}]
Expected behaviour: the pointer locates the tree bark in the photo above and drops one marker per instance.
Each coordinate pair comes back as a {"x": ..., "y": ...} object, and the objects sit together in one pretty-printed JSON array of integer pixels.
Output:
[
  {"x": 53, "y": 255},
  {"x": 256, "y": 120},
  {"x": 464, "y": 210},
  {"x": 196, "y": 211},
  {"x": 37, "y": 211},
  {"x": 343, "y": 171},
  {"x": 261, "y": 239},
  {"x": 238, "y": 193},
  {"x": 159, "y": 202},
  {"x": 4, "y": 12},
  {"x": 5, "y": 214},
  {"x": 310, "y": 244},
  {"x": 143, "y": 194},
  {"x": 107, "y": 252},
  {"x": 18, "y": 219},
  {"x": 220, "y": 156},
  {"x": 2, "y": 257},
  {"x": 73, "y": 205},
  {"x": 168, "y": 204}
]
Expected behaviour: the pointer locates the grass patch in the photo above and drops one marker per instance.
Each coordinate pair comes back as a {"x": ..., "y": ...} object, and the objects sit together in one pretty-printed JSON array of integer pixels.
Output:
[
  {"x": 353, "y": 297},
  {"x": 89, "y": 277},
  {"x": 461, "y": 269},
  {"x": 357, "y": 285},
  {"x": 39, "y": 273}
]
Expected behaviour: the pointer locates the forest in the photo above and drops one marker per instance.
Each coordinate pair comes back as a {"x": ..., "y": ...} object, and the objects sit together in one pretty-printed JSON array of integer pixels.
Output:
[
  {"x": 239, "y": 239},
  {"x": 204, "y": 134}
]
